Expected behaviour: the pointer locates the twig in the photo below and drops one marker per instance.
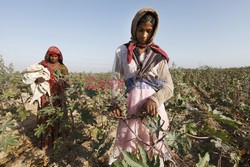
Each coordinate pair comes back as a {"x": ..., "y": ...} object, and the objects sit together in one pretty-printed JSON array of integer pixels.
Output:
[
  {"x": 179, "y": 123},
  {"x": 219, "y": 161},
  {"x": 151, "y": 146},
  {"x": 198, "y": 137},
  {"x": 134, "y": 133}
]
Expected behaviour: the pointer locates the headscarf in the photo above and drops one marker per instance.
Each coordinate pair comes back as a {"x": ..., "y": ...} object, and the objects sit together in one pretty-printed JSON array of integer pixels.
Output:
[
  {"x": 54, "y": 50},
  {"x": 134, "y": 42}
]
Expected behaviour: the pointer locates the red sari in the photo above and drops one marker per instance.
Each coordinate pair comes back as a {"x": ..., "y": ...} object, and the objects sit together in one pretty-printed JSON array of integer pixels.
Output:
[{"x": 57, "y": 87}]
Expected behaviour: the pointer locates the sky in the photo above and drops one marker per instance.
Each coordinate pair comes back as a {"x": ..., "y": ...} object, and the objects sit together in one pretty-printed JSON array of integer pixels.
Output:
[{"x": 194, "y": 33}]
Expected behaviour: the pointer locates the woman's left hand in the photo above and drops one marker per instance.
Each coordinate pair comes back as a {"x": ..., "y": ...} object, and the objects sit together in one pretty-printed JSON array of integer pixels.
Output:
[{"x": 151, "y": 107}]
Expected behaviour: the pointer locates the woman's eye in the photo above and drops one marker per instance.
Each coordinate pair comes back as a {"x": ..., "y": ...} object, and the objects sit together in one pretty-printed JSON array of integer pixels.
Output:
[{"x": 149, "y": 31}]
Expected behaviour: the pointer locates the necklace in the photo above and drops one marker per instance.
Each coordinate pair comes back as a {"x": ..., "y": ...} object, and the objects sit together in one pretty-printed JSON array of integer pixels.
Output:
[{"x": 53, "y": 66}]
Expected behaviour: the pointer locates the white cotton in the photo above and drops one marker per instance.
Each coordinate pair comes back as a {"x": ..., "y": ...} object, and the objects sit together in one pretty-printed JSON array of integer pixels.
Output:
[{"x": 30, "y": 75}]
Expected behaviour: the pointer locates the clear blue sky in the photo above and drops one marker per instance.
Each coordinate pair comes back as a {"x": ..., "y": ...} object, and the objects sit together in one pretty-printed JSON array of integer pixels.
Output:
[{"x": 192, "y": 32}]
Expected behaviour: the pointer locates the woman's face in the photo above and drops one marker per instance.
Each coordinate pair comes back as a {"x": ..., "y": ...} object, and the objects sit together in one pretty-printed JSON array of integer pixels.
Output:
[
  {"x": 53, "y": 58},
  {"x": 144, "y": 32}
]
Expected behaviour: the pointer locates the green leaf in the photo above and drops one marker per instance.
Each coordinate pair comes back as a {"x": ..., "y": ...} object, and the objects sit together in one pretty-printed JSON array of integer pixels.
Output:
[
  {"x": 189, "y": 127},
  {"x": 49, "y": 110},
  {"x": 178, "y": 141},
  {"x": 60, "y": 114},
  {"x": 204, "y": 161},
  {"x": 131, "y": 160},
  {"x": 218, "y": 144},
  {"x": 235, "y": 158},
  {"x": 39, "y": 130},
  {"x": 154, "y": 124},
  {"x": 87, "y": 116},
  {"x": 50, "y": 122},
  {"x": 6, "y": 124},
  {"x": 144, "y": 155},
  {"x": 57, "y": 143},
  {"x": 125, "y": 164},
  {"x": 95, "y": 132},
  {"x": 218, "y": 115},
  {"x": 8, "y": 140},
  {"x": 23, "y": 113},
  {"x": 171, "y": 138},
  {"x": 117, "y": 164}
]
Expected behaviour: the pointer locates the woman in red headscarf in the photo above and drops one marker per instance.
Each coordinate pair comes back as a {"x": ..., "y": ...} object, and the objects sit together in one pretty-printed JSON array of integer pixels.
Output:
[{"x": 54, "y": 63}]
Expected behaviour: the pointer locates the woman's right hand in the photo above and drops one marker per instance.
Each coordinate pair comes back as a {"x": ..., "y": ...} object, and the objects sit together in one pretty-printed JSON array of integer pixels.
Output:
[
  {"x": 40, "y": 80},
  {"x": 117, "y": 112}
]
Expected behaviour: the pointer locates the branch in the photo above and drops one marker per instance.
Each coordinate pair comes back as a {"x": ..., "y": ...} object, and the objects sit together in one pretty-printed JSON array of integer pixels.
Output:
[
  {"x": 135, "y": 134},
  {"x": 198, "y": 137}
]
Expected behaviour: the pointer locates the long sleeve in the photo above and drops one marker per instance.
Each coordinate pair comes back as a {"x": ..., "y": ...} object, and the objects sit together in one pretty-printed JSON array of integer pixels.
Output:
[
  {"x": 64, "y": 70},
  {"x": 167, "y": 90},
  {"x": 117, "y": 78}
]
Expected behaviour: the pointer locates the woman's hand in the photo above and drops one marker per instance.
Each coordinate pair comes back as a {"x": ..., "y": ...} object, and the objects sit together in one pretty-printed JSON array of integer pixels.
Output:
[
  {"x": 151, "y": 107},
  {"x": 40, "y": 80},
  {"x": 117, "y": 112}
]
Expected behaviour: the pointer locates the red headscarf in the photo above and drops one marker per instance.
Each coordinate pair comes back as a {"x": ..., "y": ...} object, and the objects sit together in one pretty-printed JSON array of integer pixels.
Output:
[
  {"x": 54, "y": 50},
  {"x": 154, "y": 47}
]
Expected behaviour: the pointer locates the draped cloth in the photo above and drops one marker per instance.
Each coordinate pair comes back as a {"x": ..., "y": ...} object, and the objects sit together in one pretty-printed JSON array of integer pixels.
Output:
[
  {"x": 30, "y": 75},
  {"x": 57, "y": 88}
]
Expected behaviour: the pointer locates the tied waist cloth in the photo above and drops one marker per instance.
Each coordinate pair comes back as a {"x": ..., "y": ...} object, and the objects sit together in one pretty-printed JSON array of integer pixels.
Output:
[
  {"x": 137, "y": 82},
  {"x": 142, "y": 76}
]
